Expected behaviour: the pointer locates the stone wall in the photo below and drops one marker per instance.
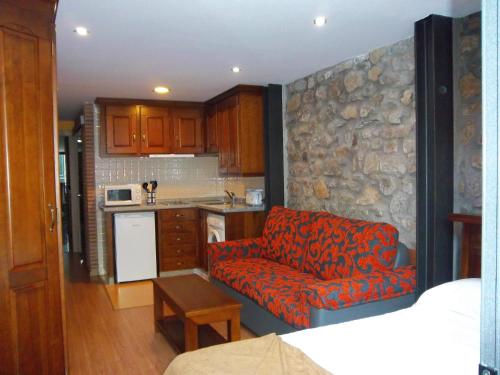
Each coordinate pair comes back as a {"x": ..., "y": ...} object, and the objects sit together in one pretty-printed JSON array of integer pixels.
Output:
[
  {"x": 351, "y": 139},
  {"x": 468, "y": 148}
]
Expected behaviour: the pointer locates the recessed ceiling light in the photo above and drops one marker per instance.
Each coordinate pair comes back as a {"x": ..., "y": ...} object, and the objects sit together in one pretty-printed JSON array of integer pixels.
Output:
[
  {"x": 79, "y": 140},
  {"x": 320, "y": 21},
  {"x": 161, "y": 90},
  {"x": 82, "y": 31},
  {"x": 235, "y": 69}
]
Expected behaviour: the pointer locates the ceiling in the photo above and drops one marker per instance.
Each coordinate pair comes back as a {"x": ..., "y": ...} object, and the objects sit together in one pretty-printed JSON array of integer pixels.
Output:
[{"x": 190, "y": 46}]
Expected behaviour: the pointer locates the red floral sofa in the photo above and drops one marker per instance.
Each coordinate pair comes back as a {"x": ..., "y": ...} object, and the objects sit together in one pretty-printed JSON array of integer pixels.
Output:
[{"x": 313, "y": 268}]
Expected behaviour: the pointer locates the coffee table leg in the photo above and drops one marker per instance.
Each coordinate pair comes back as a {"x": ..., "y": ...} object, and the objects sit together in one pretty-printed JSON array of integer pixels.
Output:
[
  {"x": 233, "y": 328},
  {"x": 158, "y": 307},
  {"x": 190, "y": 335}
]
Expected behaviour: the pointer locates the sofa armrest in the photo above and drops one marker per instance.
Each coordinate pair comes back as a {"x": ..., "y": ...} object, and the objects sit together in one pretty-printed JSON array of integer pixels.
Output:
[
  {"x": 341, "y": 293},
  {"x": 228, "y": 250}
]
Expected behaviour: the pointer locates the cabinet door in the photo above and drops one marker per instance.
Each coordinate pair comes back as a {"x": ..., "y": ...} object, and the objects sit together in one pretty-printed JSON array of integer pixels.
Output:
[
  {"x": 188, "y": 134},
  {"x": 223, "y": 137},
  {"x": 121, "y": 129},
  {"x": 212, "y": 137},
  {"x": 31, "y": 309},
  {"x": 233, "y": 166},
  {"x": 155, "y": 130}
]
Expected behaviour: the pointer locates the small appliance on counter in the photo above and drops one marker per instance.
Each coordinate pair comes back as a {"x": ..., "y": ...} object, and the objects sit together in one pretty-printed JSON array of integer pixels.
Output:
[
  {"x": 254, "y": 197},
  {"x": 150, "y": 193},
  {"x": 122, "y": 195}
]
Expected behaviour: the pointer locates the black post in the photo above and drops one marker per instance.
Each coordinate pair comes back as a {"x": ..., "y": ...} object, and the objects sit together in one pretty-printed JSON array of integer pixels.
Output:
[
  {"x": 273, "y": 136},
  {"x": 434, "y": 132}
]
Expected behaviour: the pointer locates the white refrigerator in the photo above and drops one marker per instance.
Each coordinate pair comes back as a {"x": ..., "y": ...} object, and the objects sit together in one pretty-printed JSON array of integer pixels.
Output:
[{"x": 135, "y": 246}]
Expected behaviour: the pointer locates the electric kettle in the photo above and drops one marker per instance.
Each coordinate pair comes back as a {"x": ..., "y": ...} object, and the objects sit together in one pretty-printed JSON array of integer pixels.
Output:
[{"x": 254, "y": 197}]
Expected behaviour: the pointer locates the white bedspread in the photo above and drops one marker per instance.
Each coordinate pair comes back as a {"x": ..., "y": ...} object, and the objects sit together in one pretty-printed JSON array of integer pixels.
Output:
[{"x": 428, "y": 338}]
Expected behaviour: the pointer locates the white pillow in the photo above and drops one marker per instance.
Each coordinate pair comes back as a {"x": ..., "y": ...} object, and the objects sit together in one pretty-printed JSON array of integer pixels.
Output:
[{"x": 460, "y": 296}]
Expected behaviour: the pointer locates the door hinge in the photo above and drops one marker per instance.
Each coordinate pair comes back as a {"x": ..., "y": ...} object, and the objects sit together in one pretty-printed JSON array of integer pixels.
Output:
[{"x": 484, "y": 370}]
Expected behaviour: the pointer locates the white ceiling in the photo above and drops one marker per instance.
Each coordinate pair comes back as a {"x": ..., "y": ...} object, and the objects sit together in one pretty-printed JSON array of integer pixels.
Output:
[{"x": 190, "y": 45}]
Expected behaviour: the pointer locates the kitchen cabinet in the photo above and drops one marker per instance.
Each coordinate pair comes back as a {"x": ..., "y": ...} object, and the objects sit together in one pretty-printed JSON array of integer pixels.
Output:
[
  {"x": 155, "y": 130},
  {"x": 211, "y": 133},
  {"x": 240, "y": 131},
  {"x": 188, "y": 132},
  {"x": 178, "y": 238},
  {"x": 144, "y": 129},
  {"x": 122, "y": 130},
  {"x": 31, "y": 286},
  {"x": 133, "y": 129}
]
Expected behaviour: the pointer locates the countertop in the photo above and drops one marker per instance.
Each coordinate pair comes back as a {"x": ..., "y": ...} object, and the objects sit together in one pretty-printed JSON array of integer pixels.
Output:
[{"x": 213, "y": 204}]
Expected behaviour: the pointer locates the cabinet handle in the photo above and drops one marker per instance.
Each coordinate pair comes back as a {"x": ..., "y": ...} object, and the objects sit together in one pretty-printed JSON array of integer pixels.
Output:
[
  {"x": 144, "y": 137},
  {"x": 179, "y": 263},
  {"x": 178, "y": 215},
  {"x": 52, "y": 218},
  {"x": 178, "y": 239},
  {"x": 178, "y": 251},
  {"x": 177, "y": 227},
  {"x": 133, "y": 137}
]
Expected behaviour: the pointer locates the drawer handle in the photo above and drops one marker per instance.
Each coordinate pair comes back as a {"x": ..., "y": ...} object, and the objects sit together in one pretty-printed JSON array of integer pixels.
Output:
[
  {"x": 178, "y": 251},
  {"x": 178, "y": 238},
  {"x": 177, "y": 227},
  {"x": 179, "y": 263},
  {"x": 178, "y": 215}
]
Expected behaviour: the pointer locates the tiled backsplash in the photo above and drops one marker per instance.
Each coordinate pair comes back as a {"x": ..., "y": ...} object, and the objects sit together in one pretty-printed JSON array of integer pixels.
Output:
[{"x": 178, "y": 177}]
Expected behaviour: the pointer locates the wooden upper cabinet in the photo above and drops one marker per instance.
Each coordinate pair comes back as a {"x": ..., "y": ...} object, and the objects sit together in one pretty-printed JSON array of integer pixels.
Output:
[
  {"x": 122, "y": 129},
  {"x": 188, "y": 131},
  {"x": 212, "y": 136},
  {"x": 240, "y": 129},
  {"x": 155, "y": 130},
  {"x": 250, "y": 158}
]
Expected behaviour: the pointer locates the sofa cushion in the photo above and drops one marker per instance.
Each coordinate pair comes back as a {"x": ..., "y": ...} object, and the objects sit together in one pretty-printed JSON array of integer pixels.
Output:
[
  {"x": 342, "y": 247},
  {"x": 286, "y": 236},
  {"x": 274, "y": 286}
]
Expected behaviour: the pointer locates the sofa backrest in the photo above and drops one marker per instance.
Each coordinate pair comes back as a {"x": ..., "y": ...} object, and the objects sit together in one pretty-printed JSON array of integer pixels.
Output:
[
  {"x": 340, "y": 247},
  {"x": 286, "y": 236}
]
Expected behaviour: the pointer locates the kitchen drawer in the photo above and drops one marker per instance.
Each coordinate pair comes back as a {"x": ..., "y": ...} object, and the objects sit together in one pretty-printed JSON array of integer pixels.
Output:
[
  {"x": 178, "y": 263},
  {"x": 179, "y": 238},
  {"x": 179, "y": 227},
  {"x": 178, "y": 251},
  {"x": 179, "y": 214}
]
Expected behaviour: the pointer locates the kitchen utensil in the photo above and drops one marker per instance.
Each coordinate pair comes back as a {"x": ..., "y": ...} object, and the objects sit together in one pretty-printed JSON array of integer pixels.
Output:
[
  {"x": 145, "y": 187},
  {"x": 154, "y": 185},
  {"x": 254, "y": 197}
]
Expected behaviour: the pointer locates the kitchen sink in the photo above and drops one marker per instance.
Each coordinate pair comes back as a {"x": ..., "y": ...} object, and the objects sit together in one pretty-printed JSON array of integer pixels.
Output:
[
  {"x": 225, "y": 204},
  {"x": 173, "y": 203}
]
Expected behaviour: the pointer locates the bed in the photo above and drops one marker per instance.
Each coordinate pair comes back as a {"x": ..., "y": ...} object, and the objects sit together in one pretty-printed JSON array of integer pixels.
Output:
[{"x": 439, "y": 334}]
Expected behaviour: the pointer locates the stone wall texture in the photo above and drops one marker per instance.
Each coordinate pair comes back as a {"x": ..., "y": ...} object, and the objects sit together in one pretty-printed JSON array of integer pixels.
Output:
[
  {"x": 351, "y": 139},
  {"x": 468, "y": 135}
]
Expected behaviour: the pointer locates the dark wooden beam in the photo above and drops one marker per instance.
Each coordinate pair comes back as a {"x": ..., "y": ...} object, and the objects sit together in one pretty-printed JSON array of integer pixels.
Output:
[{"x": 434, "y": 132}]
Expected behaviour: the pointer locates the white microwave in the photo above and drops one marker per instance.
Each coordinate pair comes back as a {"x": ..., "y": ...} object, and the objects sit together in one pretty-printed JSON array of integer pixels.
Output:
[{"x": 122, "y": 195}]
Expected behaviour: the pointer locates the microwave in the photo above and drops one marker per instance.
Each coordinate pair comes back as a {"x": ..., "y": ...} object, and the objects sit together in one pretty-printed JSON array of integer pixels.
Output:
[{"x": 122, "y": 195}]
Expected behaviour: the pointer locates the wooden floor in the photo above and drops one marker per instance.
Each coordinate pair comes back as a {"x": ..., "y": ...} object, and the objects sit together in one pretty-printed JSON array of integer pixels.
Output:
[{"x": 102, "y": 340}]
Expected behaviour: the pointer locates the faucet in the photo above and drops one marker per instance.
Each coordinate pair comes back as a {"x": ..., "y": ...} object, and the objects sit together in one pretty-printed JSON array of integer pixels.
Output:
[{"x": 232, "y": 196}]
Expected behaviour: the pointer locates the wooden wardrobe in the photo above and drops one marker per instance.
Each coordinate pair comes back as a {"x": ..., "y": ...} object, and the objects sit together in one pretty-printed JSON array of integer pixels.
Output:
[{"x": 31, "y": 298}]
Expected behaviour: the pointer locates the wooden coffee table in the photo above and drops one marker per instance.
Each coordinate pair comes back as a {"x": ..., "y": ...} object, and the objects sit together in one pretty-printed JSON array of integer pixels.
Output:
[{"x": 196, "y": 303}]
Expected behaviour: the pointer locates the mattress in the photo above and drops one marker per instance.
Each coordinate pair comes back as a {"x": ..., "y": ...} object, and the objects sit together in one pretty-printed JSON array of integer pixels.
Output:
[{"x": 439, "y": 334}]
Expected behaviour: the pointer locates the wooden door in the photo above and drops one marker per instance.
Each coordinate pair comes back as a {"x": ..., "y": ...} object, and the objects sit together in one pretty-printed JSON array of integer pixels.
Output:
[
  {"x": 31, "y": 306},
  {"x": 233, "y": 166},
  {"x": 155, "y": 130},
  {"x": 212, "y": 139},
  {"x": 122, "y": 129},
  {"x": 188, "y": 133}
]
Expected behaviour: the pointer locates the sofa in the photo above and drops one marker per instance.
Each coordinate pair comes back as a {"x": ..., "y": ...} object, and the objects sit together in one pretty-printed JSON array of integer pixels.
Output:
[{"x": 310, "y": 269}]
